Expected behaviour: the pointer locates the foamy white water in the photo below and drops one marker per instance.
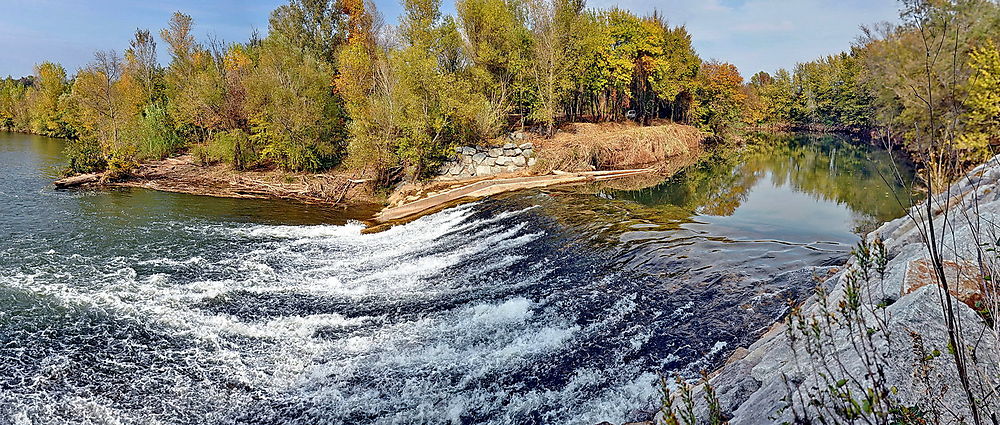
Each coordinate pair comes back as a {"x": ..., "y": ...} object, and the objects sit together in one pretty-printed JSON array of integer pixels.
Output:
[{"x": 428, "y": 322}]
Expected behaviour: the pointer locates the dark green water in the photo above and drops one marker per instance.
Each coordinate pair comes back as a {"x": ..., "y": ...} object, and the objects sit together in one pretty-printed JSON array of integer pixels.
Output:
[{"x": 553, "y": 306}]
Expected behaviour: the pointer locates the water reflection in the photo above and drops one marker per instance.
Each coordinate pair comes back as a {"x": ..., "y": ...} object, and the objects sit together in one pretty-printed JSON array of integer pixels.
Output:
[
  {"x": 804, "y": 181},
  {"x": 776, "y": 204}
]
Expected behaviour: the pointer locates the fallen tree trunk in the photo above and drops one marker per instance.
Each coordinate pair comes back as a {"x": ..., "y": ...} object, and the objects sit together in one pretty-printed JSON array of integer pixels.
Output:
[{"x": 79, "y": 180}]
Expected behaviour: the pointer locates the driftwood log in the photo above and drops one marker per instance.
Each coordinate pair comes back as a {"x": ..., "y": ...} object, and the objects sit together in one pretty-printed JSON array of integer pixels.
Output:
[{"x": 79, "y": 180}]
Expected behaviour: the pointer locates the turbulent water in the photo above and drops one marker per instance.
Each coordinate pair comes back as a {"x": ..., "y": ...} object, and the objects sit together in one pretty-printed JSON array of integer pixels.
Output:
[{"x": 556, "y": 306}]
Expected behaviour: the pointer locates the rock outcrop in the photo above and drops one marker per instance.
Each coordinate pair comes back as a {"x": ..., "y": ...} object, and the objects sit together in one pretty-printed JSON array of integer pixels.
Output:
[
  {"x": 753, "y": 388},
  {"x": 490, "y": 160}
]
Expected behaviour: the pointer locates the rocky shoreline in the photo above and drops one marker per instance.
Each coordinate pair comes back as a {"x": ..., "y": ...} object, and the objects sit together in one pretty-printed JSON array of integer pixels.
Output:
[{"x": 755, "y": 384}]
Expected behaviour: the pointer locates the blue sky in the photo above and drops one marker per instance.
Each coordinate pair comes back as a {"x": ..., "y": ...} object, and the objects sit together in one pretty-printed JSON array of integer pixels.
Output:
[{"x": 753, "y": 34}]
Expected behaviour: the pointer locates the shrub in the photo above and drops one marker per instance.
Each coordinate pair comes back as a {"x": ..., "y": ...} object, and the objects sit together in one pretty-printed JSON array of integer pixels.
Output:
[{"x": 85, "y": 156}]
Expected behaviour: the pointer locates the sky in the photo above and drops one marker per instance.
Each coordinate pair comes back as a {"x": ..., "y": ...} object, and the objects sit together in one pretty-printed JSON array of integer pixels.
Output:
[{"x": 754, "y": 35}]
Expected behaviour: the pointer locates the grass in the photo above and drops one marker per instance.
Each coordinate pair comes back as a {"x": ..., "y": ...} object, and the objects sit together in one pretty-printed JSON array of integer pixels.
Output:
[{"x": 581, "y": 146}]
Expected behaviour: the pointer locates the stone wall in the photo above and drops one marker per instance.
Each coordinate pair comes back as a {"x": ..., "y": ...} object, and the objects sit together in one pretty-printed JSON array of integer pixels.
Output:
[{"x": 487, "y": 161}]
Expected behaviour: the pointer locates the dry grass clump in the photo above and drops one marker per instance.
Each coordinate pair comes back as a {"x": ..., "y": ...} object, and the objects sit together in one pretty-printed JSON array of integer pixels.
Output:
[{"x": 615, "y": 146}]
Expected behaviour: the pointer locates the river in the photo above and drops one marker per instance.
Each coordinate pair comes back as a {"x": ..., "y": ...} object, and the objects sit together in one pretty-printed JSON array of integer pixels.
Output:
[{"x": 548, "y": 306}]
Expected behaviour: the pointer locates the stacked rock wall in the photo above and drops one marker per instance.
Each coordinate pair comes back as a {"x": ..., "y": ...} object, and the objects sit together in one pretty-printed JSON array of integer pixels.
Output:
[{"x": 487, "y": 161}]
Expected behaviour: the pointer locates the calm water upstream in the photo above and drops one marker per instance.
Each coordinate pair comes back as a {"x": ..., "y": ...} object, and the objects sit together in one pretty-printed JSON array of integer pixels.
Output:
[{"x": 553, "y": 306}]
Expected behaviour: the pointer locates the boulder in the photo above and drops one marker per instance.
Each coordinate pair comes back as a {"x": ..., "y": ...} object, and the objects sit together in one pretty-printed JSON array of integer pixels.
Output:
[
  {"x": 528, "y": 153},
  {"x": 527, "y": 145},
  {"x": 490, "y": 161},
  {"x": 509, "y": 146},
  {"x": 483, "y": 170},
  {"x": 532, "y": 161},
  {"x": 503, "y": 160},
  {"x": 455, "y": 170},
  {"x": 495, "y": 152},
  {"x": 468, "y": 150},
  {"x": 965, "y": 282},
  {"x": 520, "y": 161},
  {"x": 509, "y": 152},
  {"x": 479, "y": 158}
]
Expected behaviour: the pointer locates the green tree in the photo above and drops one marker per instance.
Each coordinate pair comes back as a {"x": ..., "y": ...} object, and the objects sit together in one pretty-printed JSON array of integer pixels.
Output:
[
  {"x": 367, "y": 85},
  {"x": 316, "y": 26},
  {"x": 43, "y": 100},
  {"x": 720, "y": 98},
  {"x": 106, "y": 116},
  {"x": 499, "y": 45},
  {"x": 13, "y": 105},
  {"x": 295, "y": 118},
  {"x": 550, "y": 22},
  {"x": 982, "y": 125}
]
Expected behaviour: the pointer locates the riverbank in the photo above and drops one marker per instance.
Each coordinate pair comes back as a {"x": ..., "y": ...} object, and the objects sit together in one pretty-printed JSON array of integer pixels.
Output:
[
  {"x": 901, "y": 304},
  {"x": 577, "y": 153}
]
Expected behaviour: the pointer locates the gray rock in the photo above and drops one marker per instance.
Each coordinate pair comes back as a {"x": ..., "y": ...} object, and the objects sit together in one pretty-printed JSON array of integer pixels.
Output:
[
  {"x": 455, "y": 170},
  {"x": 518, "y": 151},
  {"x": 489, "y": 161},
  {"x": 520, "y": 161},
  {"x": 509, "y": 152},
  {"x": 478, "y": 158},
  {"x": 466, "y": 159},
  {"x": 528, "y": 153},
  {"x": 495, "y": 152},
  {"x": 469, "y": 150},
  {"x": 752, "y": 389},
  {"x": 532, "y": 161},
  {"x": 527, "y": 145},
  {"x": 503, "y": 160},
  {"x": 509, "y": 146},
  {"x": 483, "y": 170}
]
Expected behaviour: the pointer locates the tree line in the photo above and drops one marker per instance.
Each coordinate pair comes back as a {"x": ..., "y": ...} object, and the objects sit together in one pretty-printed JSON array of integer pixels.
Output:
[
  {"x": 332, "y": 84},
  {"x": 941, "y": 57}
]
